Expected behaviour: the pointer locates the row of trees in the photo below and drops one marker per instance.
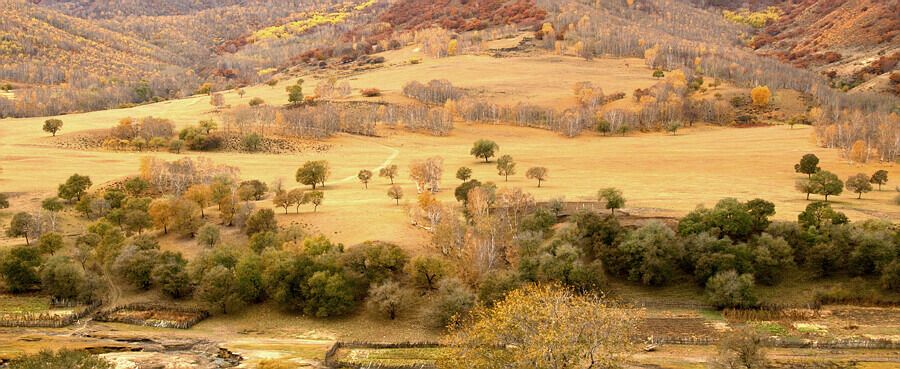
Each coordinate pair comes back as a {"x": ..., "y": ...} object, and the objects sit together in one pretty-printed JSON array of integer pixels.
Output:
[{"x": 825, "y": 183}]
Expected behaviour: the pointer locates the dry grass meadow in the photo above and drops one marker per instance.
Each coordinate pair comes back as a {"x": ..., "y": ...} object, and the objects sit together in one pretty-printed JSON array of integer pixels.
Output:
[{"x": 660, "y": 175}]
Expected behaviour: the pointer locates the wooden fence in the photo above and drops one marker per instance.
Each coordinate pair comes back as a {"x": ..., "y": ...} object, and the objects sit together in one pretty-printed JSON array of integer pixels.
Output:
[
  {"x": 333, "y": 361},
  {"x": 830, "y": 344},
  {"x": 48, "y": 320},
  {"x": 198, "y": 315}
]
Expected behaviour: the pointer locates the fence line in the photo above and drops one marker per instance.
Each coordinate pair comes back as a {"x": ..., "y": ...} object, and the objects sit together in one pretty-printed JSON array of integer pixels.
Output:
[
  {"x": 333, "y": 361},
  {"x": 49, "y": 320},
  {"x": 199, "y": 315}
]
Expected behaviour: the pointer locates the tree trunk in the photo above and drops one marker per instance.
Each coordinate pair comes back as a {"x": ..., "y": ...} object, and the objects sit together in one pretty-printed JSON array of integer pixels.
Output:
[
  {"x": 539, "y": 183},
  {"x": 860, "y": 196},
  {"x": 807, "y": 196}
]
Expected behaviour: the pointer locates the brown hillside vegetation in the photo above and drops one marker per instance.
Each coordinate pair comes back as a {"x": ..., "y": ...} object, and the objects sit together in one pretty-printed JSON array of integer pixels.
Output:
[{"x": 832, "y": 33}]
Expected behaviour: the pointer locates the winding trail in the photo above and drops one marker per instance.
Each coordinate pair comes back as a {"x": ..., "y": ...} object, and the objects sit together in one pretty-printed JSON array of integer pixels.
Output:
[{"x": 376, "y": 169}]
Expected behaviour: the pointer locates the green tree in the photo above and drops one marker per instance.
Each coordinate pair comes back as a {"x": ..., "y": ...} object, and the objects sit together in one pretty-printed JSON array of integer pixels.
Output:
[
  {"x": 263, "y": 240},
  {"x": 50, "y": 242},
  {"x": 74, "y": 187},
  {"x": 208, "y": 236},
  {"x": 484, "y": 149},
  {"x": 464, "y": 173},
  {"x": 314, "y": 197},
  {"x": 453, "y": 301},
  {"x": 880, "y": 177},
  {"x": 329, "y": 294},
  {"x": 261, "y": 221},
  {"x": 4, "y": 201},
  {"x": 176, "y": 145},
  {"x": 313, "y": 173},
  {"x": 375, "y": 261},
  {"x": 295, "y": 94},
  {"x": 859, "y": 184},
  {"x": 649, "y": 253},
  {"x": 729, "y": 290},
  {"x": 538, "y": 173},
  {"x": 252, "y": 142},
  {"x": 673, "y": 127},
  {"x": 365, "y": 176},
  {"x": 52, "y": 126},
  {"x": 496, "y": 284},
  {"x": 256, "y": 101},
  {"x": 427, "y": 271},
  {"x": 658, "y": 74},
  {"x": 19, "y": 226},
  {"x": 249, "y": 278},
  {"x": 171, "y": 275},
  {"x": 612, "y": 197},
  {"x": 809, "y": 165},
  {"x": 218, "y": 289},
  {"x": 387, "y": 298},
  {"x": 61, "y": 278},
  {"x": 827, "y": 184},
  {"x": 389, "y": 171},
  {"x": 136, "y": 265},
  {"x": 18, "y": 268},
  {"x": 542, "y": 326},
  {"x": 506, "y": 166}
]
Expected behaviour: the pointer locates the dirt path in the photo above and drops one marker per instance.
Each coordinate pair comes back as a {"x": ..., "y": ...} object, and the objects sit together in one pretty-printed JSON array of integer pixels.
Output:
[{"x": 378, "y": 168}]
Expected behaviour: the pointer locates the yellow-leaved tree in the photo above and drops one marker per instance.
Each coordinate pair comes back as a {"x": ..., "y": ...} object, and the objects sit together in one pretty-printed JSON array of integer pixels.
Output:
[
  {"x": 542, "y": 326},
  {"x": 761, "y": 96}
]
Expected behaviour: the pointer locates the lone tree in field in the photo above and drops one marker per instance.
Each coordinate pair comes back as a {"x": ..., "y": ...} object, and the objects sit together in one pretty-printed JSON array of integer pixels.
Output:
[
  {"x": 506, "y": 166},
  {"x": 612, "y": 197},
  {"x": 295, "y": 94},
  {"x": 542, "y": 326},
  {"x": 74, "y": 187},
  {"x": 464, "y": 173},
  {"x": 859, "y": 184},
  {"x": 389, "y": 171},
  {"x": 365, "y": 176},
  {"x": 880, "y": 177},
  {"x": 827, "y": 184},
  {"x": 808, "y": 165},
  {"x": 217, "y": 100},
  {"x": 538, "y": 173},
  {"x": 658, "y": 74},
  {"x": 673, "y": 127},
  {"x": 313, "y": 173},
  {"x": 240, "y": 92},
  {"x": 396, "y": 193},
  {"x": 484, "y": 149},
  {"x": 52, "y": 126},
  {"x": 761, "y": 96}
]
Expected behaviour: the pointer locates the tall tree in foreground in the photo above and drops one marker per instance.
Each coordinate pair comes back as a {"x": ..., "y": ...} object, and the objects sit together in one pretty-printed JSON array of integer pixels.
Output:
[
  {"x": 612, "y": 197},
  {"x": 506, "y": 166},
  {"x": 880, "y": 177},
  {"x": 538, "y": 173},
  {"x": 542, "y": 326},
  {"x": 859, "y": 184},
  {"x": 484, "y": 149},
  {"x": 809, "y": 165},
  {"x": 52, "y": 126}
]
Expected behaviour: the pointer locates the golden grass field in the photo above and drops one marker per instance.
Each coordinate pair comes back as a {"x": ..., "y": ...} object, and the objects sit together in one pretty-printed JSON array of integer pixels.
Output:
[{"x": 660, "y": 175}]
